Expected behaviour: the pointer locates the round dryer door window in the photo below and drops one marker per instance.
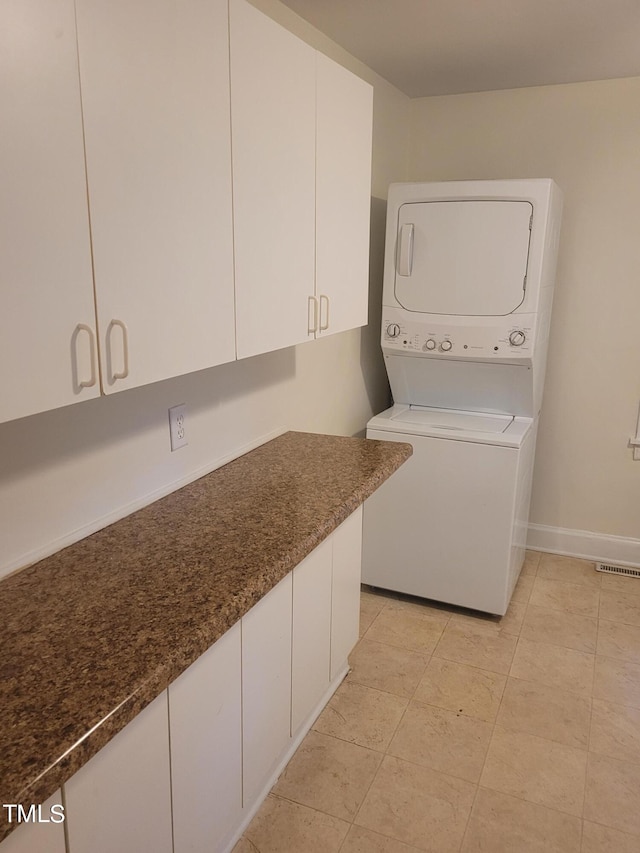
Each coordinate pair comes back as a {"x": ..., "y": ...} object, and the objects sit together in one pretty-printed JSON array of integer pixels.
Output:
[{"x": 462, "y": 257}]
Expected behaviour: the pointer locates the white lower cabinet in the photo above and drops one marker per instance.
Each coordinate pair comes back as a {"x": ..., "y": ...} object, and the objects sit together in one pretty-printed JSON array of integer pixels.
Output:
[
  {"x": 190, "y": 770},
  {"x": 38, "y": 836},
  {"x": 311, "y": 641},
  {"x": 205, "y": 713},
  {"x": 345, "y": 596},
  {"x": 120, "y": 801},
  {"x": 266, "y": 687}
]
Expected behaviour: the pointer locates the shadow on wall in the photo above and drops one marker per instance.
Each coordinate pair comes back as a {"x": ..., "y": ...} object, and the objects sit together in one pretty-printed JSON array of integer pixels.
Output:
[
  {"x": 371, "y": 360},
  {"x": 82, "y": 428}
]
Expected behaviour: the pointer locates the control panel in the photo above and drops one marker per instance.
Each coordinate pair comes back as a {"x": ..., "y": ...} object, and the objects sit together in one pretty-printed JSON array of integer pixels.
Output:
[{"x": 499, "y": 338}]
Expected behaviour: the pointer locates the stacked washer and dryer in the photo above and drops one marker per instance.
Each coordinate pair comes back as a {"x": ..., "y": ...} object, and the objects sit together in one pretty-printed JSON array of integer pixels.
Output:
[{"x": 468, "y": 287}]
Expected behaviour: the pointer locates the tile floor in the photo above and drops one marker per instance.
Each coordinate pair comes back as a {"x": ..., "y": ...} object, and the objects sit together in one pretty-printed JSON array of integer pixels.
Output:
[{"x": 457, "y": 732}]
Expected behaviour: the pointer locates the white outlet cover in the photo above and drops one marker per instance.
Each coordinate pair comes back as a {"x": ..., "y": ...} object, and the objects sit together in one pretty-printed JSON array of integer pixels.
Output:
[{"x": 177, "y": 426}]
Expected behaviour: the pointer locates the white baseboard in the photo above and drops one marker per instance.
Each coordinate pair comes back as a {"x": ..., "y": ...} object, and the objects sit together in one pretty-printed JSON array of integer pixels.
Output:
[{"x": 599, "y": 547}]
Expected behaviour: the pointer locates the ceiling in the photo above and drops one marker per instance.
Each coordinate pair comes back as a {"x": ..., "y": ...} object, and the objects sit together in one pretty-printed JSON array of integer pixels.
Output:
[{"x": 443, "y": 47}]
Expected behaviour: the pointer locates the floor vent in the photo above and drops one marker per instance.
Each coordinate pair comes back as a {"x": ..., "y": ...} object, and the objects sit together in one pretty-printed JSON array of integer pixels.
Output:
[{"x": 618, "y": 570}]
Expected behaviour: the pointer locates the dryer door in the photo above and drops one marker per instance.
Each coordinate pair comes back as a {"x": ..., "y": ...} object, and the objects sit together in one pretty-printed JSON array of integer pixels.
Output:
[{"x": 462, "y": 257}]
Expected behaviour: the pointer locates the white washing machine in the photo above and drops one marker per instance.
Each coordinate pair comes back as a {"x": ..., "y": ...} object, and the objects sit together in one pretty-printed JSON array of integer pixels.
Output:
[{"x": 468, "y": 288}]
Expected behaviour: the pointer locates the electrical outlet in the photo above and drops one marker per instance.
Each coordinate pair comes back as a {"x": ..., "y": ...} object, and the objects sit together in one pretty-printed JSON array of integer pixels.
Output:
[{"x": 177, "y": 426}]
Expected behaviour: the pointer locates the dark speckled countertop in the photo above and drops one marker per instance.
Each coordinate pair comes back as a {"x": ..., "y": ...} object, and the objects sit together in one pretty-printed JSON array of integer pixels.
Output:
[{"x": 91, "y": 635}]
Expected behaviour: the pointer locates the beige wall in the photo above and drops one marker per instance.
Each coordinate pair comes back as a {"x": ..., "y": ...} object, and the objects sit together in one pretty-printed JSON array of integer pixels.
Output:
[
  {"x": 67, "y": 472},
  {"x": 587, "y": 137}
]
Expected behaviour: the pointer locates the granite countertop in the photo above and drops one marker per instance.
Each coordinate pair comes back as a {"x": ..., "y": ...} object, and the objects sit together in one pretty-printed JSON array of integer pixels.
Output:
[{"x": 91, "y": 635}]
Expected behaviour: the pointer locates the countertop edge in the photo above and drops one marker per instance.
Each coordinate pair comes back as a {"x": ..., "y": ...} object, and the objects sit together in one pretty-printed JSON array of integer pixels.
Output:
[{"x": 45, "y": 784}]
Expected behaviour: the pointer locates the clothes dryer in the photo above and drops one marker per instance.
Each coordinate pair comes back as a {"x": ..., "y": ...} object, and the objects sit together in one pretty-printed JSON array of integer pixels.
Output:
[{"x": 468, "y": 285}]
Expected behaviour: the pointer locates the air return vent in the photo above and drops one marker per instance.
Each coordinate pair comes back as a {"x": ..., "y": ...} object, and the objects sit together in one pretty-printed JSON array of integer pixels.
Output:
[{"x": 617, "y": 570}]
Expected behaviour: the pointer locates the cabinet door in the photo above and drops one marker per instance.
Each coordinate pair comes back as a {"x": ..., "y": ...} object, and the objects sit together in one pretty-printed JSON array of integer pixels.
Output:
[
  {"x": 38, "y": 837},
  {"x": 343, "y": 196},
  {"x": 273, "y": 115},
  {"x": 345, "y": 597},
  {"x": 266, "y": 688},
  {"x": 311, "y": 633},
  {"x": 121, "y": 800},
  {"x": 155, "y": 92},
  {"x": 206, "y": 748},
  {"x": 47, "y": 289}
]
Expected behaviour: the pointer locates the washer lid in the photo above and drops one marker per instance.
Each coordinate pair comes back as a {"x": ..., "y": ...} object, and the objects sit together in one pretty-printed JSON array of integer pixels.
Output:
[
  {"x": 454, "y": 419},
  {"x": 466, "y": 257}
]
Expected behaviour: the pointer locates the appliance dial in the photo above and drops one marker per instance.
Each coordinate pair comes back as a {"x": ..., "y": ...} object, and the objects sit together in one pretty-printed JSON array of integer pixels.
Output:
[
  {"x": 517, "y": 338},
  {"x": 429, "y": 344},
  {"x": 445, "y": 346},
  {"x": 393, "y": 330}
]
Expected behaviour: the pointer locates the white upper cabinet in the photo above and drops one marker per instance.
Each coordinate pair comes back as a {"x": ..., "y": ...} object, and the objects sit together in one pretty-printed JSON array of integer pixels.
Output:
[
  {"x": 273, "y": 119},
  {"x": 47, "y": 323},
  {"x": 301, "y": 133},
  {"x": 343, "y": 197},
  {"x": 155, "y": 93},
  {"x": 119, "y": 233}
]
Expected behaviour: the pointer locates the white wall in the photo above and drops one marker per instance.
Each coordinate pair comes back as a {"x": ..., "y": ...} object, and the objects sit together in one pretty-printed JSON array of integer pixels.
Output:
[
  {"x": 68, "y": 472},
  {"x": 587, "y": 137}
]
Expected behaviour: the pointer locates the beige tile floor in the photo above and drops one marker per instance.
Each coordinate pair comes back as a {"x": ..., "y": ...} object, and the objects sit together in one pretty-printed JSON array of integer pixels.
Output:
[{"x": 458, "y": 732}]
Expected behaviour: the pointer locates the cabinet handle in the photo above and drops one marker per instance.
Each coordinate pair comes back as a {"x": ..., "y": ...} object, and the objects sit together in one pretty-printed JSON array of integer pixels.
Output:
[
  {"x": 125, "y": 350},
  {"x": 82, "y": 327},
  {"x": 405, "y": 249},
  {"x": 324, "y": 326},
  {"x": 311, "y": 330}
]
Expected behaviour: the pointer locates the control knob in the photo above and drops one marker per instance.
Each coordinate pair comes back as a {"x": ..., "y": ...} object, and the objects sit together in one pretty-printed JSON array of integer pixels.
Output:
[
  {"x": 393, "y": 330},
  {"x": 429, "y": 344},
  {"x": 517, "y": 338},
  {"x": 445, "y": 346}
]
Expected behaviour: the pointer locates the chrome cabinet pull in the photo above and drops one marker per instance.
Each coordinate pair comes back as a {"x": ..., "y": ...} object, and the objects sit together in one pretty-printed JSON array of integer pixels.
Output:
[{"x": 125, "y": 350}]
